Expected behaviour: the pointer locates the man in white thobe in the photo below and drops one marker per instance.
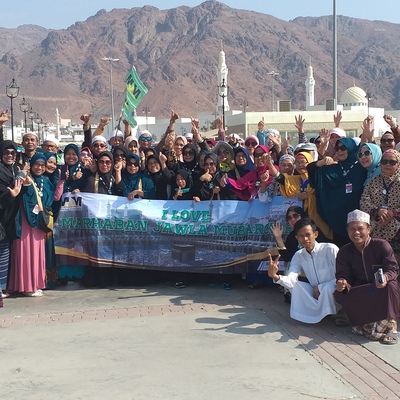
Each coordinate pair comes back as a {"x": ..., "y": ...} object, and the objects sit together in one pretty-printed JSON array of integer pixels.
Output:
[{"x": 312, "y": 300}]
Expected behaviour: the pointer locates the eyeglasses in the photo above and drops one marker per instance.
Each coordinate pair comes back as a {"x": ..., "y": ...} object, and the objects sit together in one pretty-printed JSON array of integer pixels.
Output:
[
  {"x": 101, "y": 145},
  {"x": 366, "y": 153},
  {"x": 145, "y": 139},
  {"x": 341, "y": 148},
  {"x": 122, "y": 155},
  {"x": 252, "y": 144},
  {"x": 258, "y": 155},
  {"x": 132, "y": 164},
  {"x": 106, "y": 162},
  {"x": 390, "y": 162},
  {"x": 211, "y": 164},
  {"x": 293, "y": 216},
  {"x": 9, "y": 153},
  {"x": 188, "y": 153},
  {"x": 222, "y": 152},
  {"x": 388, "y": 141},
  {"x": 39, "y": 165},
  {"x": 49, "y": 146}
]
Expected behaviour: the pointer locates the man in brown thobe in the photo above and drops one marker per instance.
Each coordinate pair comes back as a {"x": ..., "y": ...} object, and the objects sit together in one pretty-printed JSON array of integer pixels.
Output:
[{"x": 372, "y": 307}]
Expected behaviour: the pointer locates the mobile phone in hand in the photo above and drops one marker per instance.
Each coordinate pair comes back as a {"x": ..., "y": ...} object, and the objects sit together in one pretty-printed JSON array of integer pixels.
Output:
[{"x": 63, "y": 169}]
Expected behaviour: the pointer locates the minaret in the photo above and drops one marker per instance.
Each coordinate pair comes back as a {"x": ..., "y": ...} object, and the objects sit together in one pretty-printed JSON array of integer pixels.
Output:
[
  {"x": 310, "y": 85},
  {"x": 222, "y": 83}
]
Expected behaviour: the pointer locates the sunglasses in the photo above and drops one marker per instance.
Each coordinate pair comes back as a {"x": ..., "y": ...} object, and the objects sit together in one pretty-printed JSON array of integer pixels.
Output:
[
  {"x": 188, "y": 153},
  {"x": 222, "y": 152},
  {"x": 366, "y": 153},
  {"x": 211, "y": 164},
  {"x": 84, "y": 154},
  {"x": 252, "y": 144},
  {"x": 9, "y": 153},
  {"x": 317, "y": 142},
  {"x": 258, "y": 155},
  {"x": 341, "y": 148},
  {"x": 145, "y": 139},
  {"x": 120, "y": 155},
  {"x": 106, "y": 162},
  {"x": 132, "y": 164},
  {"x": 390, "y": 162},
  {"x": 387, "y": 141},
  {"x": 293, "y": 216},
  {"x": 101, "y": 145}
]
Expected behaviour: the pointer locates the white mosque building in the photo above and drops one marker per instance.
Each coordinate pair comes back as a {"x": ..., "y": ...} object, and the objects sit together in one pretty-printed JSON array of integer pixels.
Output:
[{"x": 353, "y": 102}]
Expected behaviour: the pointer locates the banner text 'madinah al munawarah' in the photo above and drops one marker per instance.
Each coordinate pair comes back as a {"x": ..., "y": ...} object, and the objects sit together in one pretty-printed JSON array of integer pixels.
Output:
[{"x": 103, "y": 230}]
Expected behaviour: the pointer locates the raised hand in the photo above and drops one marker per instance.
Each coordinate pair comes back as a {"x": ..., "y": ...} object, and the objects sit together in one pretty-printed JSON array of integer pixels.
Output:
[
  {"x": 174, "y": 116},
  {"x": 261, "y": 125},
  {"x": 273, "y": 267},
  {"x": 390, "y": 120},
  {"x": 299, "y": 123},
  {"x": 367, "y": 129},
  {"x": 277, "y": 229},
  {"x": 4, "y": 117},
  {"x": 337, "y": 118}
]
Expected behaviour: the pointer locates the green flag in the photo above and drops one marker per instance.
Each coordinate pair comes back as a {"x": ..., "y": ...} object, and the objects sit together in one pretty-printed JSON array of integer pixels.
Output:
[{"x": 135, "y": 90}]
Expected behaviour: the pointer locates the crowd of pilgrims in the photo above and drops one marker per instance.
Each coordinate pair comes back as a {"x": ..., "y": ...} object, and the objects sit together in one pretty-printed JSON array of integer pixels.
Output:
[{"x": 331, "y": 176}]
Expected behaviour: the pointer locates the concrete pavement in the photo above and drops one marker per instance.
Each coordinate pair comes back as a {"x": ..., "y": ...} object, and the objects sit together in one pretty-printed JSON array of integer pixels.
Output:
[{"x": 200, "y": 342}]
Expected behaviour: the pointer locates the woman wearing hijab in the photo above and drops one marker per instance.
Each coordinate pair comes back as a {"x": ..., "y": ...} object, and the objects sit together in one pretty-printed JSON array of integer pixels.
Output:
[
  {"x": 299, "y": 185},
  {"x": 242, "y": 164},
  {"x": 338, "y": 187},
  {"x": 135, "y": 184},
  {"x": 225, "y": 154},
  {"x": 53, "y": 173},
  {"x": 211, "y": 185},
  {"x": 183, "y": 188},
  {"x": 160, "y": 175},
  {"x": 370, "y": 156},
  {"x": 247, "y": 187},
  {"x": 28, "y": 261},
  {"x": 102, "y": 181},
  {"x": 11, "y": 193},
  {"x": 381, "y": 199},
  {"x": 286, "y": 164},
  {"x": 77, "y": 173}
]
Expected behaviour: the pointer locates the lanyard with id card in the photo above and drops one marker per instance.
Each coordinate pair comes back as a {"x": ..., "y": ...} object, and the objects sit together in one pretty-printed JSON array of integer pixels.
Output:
[{"x": 349, "y": 187}]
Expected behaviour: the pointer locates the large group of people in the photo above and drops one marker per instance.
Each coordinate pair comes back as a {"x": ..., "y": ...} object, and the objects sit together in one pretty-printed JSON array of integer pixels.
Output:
[{"x": 334, "y": 177}]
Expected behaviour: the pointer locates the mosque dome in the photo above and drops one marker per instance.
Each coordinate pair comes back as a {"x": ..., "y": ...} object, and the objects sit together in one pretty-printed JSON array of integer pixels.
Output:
[{"x": 353, "y": 96}]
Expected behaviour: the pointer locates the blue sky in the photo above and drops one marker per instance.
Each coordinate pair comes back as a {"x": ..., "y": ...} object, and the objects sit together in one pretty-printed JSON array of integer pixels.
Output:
[{"x": 57, "y": 14}]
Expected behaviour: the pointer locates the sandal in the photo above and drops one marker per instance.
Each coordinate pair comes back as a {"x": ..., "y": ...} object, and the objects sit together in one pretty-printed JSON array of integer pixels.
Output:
[
  {"x": 38, "y": 293},
  {"x": 390, "y": 338},
  {"x": 341, "y": 322}
]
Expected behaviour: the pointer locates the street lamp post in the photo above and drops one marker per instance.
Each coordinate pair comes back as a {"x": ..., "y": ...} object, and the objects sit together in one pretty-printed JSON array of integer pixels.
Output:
[
  {"x": 24, "y": 106},
  {"x": 273, "y": 74},
  {"x": 224, "y": 94},
  {"x": 111, "y": 60},
  {"x": 12, "y": 91},
  {"x": 368, "y": 97},
  {"x": 244, "y": 104},
  {"x": 38, "y": 120},
  {"x": 32, "y": 116},
  {"x": 146, "y": 112}
]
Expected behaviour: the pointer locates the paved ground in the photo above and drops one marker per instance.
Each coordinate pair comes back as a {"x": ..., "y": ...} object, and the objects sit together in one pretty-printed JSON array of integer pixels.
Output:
[{"x": 200, "y": 342}]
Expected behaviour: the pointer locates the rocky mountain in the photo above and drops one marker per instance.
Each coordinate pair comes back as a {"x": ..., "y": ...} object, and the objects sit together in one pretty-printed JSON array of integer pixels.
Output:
[{"x": 176, "y": 53}]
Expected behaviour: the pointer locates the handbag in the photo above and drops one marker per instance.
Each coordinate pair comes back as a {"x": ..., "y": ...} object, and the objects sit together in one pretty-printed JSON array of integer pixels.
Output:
[{"x": 45, "y": 215}]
